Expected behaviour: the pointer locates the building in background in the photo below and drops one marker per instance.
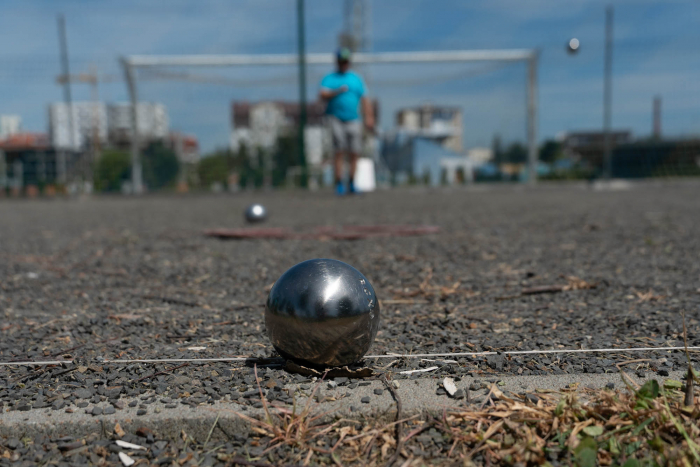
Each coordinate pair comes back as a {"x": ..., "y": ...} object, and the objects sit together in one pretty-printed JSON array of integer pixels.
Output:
[
  {"x": 415, "y": 159},
  {"x": 28, "y": 159},
  {"x": 588, "y": 147},
  {"x": 10, "y": 125},
  {"x": 260, "y": 124},
  {"x": 185, "y": 147},
  {"x": 89, "y": 125},
  {"x": 441, "y": 124},
  {"x": 153, "y": 122}
]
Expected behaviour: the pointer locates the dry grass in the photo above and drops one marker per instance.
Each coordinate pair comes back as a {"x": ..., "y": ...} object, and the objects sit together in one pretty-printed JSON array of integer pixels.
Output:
[{"x": 639, "y": 426}]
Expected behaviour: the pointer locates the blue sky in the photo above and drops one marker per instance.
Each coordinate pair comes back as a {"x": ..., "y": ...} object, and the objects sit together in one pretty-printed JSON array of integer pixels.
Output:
[{"x": 656, "y": 53}]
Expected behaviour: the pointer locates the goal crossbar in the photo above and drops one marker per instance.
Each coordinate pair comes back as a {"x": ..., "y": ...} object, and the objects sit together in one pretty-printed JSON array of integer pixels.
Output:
[{"x": 530, "y": 56}]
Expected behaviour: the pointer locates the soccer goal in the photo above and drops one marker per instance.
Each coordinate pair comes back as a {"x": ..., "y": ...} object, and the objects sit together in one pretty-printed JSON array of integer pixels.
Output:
[{"x": 487, "y": 95}]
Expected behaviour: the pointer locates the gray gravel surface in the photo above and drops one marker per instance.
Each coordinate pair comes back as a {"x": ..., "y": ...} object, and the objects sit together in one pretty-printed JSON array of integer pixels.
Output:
[{"x": 105, "y": 278}]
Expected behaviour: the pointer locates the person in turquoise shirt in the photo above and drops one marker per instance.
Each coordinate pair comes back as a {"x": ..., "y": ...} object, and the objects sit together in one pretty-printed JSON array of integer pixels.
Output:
[{"x": 344, "y": 92}]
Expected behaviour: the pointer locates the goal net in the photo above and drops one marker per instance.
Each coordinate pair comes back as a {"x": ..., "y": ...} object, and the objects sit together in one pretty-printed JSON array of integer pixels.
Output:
[{"x": 234, "y": 127}]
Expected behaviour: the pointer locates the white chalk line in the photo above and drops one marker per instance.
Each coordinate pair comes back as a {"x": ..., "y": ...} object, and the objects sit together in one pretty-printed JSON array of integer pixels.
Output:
[{"x": 391, "y": 355}]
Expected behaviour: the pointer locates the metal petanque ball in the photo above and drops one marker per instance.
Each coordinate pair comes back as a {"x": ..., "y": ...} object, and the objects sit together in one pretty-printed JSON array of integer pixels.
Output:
[
  {"x": 323, "y": 312},
  {"x": 255, "y": 213}
]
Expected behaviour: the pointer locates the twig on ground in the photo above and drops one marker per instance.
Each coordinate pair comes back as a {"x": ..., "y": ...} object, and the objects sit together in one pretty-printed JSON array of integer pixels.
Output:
[{"x": 399, "y": 439}]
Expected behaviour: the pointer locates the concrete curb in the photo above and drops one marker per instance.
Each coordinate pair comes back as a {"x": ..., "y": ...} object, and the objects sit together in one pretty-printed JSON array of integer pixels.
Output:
[{"x": 418, "y": 396}]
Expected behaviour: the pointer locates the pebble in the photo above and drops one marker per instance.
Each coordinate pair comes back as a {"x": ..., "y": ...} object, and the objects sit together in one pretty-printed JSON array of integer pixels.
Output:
[
  {"x": 109, "y": 410},
  {"x": 141, "y": 412},
  {"x": 365, "y": 400},
  {"x": 459, "y": 394},
  {"x": 379, "y": 391},
  {"x": 97, "y": 411}
]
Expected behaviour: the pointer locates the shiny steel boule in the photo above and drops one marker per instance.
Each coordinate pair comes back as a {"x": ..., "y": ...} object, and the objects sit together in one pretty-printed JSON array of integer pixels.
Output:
[
  {"x": 255, "y": 213},
  {"x": 323, "y": 312}
]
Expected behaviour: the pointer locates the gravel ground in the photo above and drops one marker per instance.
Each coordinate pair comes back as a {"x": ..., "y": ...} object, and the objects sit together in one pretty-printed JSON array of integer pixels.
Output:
[{"x": 107, "y": 278}]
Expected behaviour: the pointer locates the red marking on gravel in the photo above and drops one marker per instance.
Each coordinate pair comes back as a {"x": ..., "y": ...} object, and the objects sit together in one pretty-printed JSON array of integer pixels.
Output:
[{"x": 349, "y": 232}]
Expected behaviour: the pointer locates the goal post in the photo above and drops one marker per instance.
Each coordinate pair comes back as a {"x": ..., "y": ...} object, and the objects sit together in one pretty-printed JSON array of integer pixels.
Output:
[{"x": 130, "y": 64}]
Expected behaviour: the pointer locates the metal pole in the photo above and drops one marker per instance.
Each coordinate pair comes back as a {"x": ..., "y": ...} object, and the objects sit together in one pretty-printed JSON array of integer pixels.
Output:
[
  {"x": 66, "y": 72},
  {"x": 607, "y": 94},
  {"x": 444, "y": 56},
  {"x": 136, "y": 171},
  {"x": 532, "y": 155},
  {"x": 63, "y": 47},
  {"x": 302, "y": 86},
  {"x": 3, "y": 172}
]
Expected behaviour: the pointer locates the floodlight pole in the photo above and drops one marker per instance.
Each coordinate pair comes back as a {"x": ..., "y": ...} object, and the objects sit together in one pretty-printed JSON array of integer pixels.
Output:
[
  {"x": 607, "y": 95},
  {"x": 136, "y": 170},
  {"x": 302, "y": 87},
  {"x": 532, "y": 155}
]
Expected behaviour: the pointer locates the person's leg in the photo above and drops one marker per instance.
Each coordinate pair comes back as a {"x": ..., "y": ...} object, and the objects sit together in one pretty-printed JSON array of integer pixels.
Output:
[
  {"x": 339, "y": 146},
  {"x": 354, "y": 136}
]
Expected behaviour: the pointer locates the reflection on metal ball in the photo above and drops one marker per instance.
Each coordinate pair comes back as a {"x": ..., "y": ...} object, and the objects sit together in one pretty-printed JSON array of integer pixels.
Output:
[
  {"x": 255, "y": 213},
  {"x": 323, "y": 312},
  {"x": 573, "y": 46}
]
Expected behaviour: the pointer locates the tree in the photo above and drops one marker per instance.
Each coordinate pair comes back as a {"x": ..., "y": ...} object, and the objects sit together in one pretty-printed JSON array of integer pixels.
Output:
[
  {"x": 113, "y": 168},
  {"x": 160, "y": 166},
  {"x": 550, "y": 151},
  {"x": 515, "y": 154},
  {"x": 497, "y": 151}
]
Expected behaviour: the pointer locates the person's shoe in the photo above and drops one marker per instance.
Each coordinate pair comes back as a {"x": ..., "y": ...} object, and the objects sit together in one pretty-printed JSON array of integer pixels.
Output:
[
  {"x": 353, "y": 190},
  {"x": 339, "y": 188}
]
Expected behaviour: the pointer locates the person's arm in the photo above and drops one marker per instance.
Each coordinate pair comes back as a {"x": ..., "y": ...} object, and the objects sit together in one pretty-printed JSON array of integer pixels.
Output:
[
  {"x": 328, "y": 94},
  {"x": 368, "y": 113}
]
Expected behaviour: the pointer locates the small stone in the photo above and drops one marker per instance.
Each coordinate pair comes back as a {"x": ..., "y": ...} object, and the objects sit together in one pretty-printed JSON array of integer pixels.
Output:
[
  {"x": 395, "y": 384},
  {"x": 379, "y": 391},
  {"x": 364, "y": 383},
  {"x": 109, "y": 410},
  {"x": 610, "y": 386},
  {"x": 365, "y": 400},
  {"x": 13, "y": 443},
  {"x": 83, "y": 394},
  {"x": 352, "y": 385},
  {"x": 440, "y": 391},
  {"x": 143, "y": 432},
  {"x": 459, "y": 394},
  {"x": 353, "y": 408},
  {"x": 341, "y": 380},
  {"x": 663, "y": 372},
  {"x": 141, "y": 412},
  {"x": 157, "y": 410},
  {"x": 332, "y": 385},
  {"x": 24, "y": 408},
  {"x": 133, "y": 403},
  {"x": 82, "y": 405},
  {"x": 97, "y": 411},
  {"x": 532, "y": 398}
]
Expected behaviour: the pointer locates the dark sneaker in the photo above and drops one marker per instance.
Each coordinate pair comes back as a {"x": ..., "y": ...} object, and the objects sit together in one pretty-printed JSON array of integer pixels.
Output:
[{"x": 339, "y": 189}]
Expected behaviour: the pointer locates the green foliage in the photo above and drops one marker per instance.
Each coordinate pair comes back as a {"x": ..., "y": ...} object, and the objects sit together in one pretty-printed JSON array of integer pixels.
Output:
[
  {"x": 160, "y": 166},
  {"x": 586, "y": 453},
  {"x": 550, "y": 151},
  {"x": 213, "y": 168},
  {"x": 112, "y": 168},
  {"x": 593, "y": 430},
  {"x": 515, "y": 154},
  {"x": 648, "y": 392}
]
